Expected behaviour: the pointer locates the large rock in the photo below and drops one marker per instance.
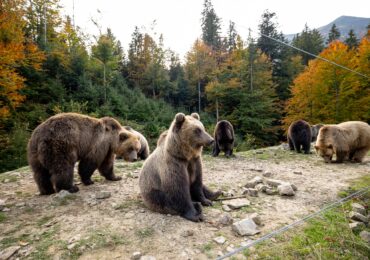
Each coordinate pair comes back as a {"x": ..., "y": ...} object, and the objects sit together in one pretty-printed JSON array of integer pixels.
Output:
[
  {"x": 273, "y": 182},
  {"x": 102, "y": 195},
  {"x": 8, "y": 252},
  {"x": 365, "y": 235},
  {"x": 256, "y": 218},
  {"x": 251, "y": 192},
  {"x": 245, "y": 227},
  {"x": 356, "y": 207},
  {"x": 358, "y": 217},
  {"x": 286, "y": 190},
  {"x": 236, "y": 203},
  {"x": 356, "y": 226}
]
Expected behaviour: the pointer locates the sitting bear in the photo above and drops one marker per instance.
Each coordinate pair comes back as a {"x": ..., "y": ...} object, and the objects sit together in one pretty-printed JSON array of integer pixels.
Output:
[
  {"x": 315, "y": 131},
  {"x": 62, "y": 140},
  {"x": 349, "y": 141},
  {"x": 171, "y": 178},
  {"x": 224, "y": 138},
  {"x": 144, "y": 150},
  {"x": 299, "y": 135}
]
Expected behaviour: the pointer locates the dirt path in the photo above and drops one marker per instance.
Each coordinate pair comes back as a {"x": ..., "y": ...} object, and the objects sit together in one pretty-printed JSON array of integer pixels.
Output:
[{"x": 82, "y": 226}]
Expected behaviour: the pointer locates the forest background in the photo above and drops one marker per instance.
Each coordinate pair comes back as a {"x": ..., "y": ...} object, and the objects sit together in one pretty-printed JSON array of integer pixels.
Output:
[{"x": 258, "y": 84}]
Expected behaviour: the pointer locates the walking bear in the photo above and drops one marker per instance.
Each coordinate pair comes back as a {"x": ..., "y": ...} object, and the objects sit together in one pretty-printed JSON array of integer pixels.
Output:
[
  {"x": 349, "y": 141},
  {"x": 299, "y": 135},
  {"x": 171, "y": 178},
  {"x": 62, "y": 140},
  {"x": 224, "y": 138}
]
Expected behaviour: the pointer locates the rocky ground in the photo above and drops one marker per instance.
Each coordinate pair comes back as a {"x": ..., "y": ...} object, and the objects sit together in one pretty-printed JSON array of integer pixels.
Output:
[{"x": 108, "y": 220}]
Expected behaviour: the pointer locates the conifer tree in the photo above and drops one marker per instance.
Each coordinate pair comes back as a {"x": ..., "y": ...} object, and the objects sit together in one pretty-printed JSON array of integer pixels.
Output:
[{"x": 334, "y": 34}]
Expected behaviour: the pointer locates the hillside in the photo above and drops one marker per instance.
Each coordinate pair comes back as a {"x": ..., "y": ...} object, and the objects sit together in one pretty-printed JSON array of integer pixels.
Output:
[
  {"x": 107, "y": 220},
  {"x": 344, "y": 25}
]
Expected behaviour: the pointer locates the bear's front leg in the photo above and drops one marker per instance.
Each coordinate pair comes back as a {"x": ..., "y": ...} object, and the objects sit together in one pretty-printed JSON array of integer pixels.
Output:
[
  {"x": 106, "y": 168},
  {"x": 86, "y": 169},
  {"x": 196, "y": 187}
]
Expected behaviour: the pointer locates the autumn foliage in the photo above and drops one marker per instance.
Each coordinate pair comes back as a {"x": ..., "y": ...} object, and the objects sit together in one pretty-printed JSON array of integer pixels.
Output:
[
  {"x": 15, "y": 52},
  {"x": 325, "y": 93}
]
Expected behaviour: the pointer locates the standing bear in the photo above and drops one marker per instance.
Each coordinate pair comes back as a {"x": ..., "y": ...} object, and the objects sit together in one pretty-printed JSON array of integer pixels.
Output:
[
  {"x": 224, "y": 138},
  {"x": 349, "y": 141},
  {"x": 171, "y": 178},
  {"x": 62, "y": 140},
  {"x": 299, "y": 136},
  {"x": 144, "y": 150}
]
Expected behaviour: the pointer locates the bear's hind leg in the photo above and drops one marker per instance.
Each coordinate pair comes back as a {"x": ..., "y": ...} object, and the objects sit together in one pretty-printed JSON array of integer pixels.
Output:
[
  {"x": 307, "y": 147},
  {"x": 86, "y": 169},
  {"x": 42, "y": 179},
  {"x": 359, "y": 155},
  {"x": 62, "y": 178},
  {"x": 216, "y": 150},
  {"x": 291, "y": 145}
]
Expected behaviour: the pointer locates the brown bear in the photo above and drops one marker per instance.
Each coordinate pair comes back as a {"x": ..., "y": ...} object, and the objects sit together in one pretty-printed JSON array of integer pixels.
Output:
[
  {"x": 349, "y": 141},
  {"x": 62, "y": 140},
  {"x": 224, "y": 138},
  {"x": 299, "y": 136},
  {"x": 171, "y": 178},
  {"x": 315, "y": 131},
  {"x": 144, "y": 150}
]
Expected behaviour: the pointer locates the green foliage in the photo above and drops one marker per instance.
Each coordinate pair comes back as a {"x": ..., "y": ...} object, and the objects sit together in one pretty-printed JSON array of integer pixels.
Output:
[{"x": 334, "y": 34}]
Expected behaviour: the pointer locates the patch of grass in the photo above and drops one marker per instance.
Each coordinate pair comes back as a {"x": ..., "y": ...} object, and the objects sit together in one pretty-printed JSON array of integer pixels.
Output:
[
  {"x": 13, "y": 240},
  {"x": 65, "y": 200},
  {"x": 95, "y": 240},
  {"x": 207, "y": 249},
  {"x": 5, "y": 178},
  {"x": 327, "y": 236},
  {"x": 2, "y": 217},
  {"x": 44, "y": 220},
  {"x": 130, "y": 165},
  {"x": 128, "y": 204},
  {"x": 145, "y": 232},
  {"x": 47, "y": 239}
]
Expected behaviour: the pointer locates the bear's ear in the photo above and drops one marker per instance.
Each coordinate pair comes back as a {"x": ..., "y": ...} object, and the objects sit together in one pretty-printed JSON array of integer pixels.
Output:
[
  {"x": 196, "y": 116},
  {"x": 123, "y": 136},
  {"x": 179, "y": 119}
]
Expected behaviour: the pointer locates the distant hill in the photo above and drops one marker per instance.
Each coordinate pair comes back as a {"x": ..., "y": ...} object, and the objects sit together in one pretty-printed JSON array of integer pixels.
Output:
[{"x": 344, "y": 24}]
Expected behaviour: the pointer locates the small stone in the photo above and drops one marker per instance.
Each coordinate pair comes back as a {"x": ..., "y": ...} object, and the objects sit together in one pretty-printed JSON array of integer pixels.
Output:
[
  {"x": 356, "y": 207},
  {"x": 256, "y": 218},
  {"x": 237, "y": 203},
  {"x": 9, "y": 252},
  {"x": 62, "y": 194},
  {"x": 6, "y": 181},
  {"x": 135, "y": 174},
  {"x": 245, "y": 227},
  {"x": 226, "y": 208},
  {"x": 297, "y": 172},
  {"x": 6, "y": 209},
  {"x": 267, "y": 174},
  {"x": 136, "y": 255},
  {"x": 252, "y": 192},
  {"x": 71, "y": 246},
  {"x": 252, "y": 183},
  {"x": 358, "y": 217},
  {"x": 74, "y": 239},
  {"x": 365, "y": 235},
  {"x": 356, "y": 226},
  {"x": 147, "y": 257},
  {"x": 261, "y": 187},
  {"x": 273, "y": 182},
  {"x": 220, "y": 240},
  {"x": 102, "y": 195},
  {"x": 286, "y": 190},
  {"x": 294, "y": 187},
  {"x": 20, "y": 204},
  {"x": 228, "y": 194},
  {"x": 187, "y": 233},
  {"x": 270, "y": 191},
  {"x": 229, "y": 249},
  {"x": 225, "y": 219}
]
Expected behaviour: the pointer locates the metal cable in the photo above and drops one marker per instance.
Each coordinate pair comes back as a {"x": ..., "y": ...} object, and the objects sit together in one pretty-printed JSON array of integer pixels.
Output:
[{"x": 298, "y": 222}]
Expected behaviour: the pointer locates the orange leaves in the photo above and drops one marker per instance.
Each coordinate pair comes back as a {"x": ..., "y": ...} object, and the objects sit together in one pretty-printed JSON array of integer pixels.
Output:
[
  {"x": 14, "y": 53},
  {"x": 326, "y": 93}
]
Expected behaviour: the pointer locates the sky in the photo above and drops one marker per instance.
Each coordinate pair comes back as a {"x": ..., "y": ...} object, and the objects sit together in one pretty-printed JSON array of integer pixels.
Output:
[{"x": 179, "y": 20}]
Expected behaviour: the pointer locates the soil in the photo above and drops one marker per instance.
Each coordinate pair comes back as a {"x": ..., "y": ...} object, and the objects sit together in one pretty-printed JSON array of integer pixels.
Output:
[{"x": 79, "y": 226}]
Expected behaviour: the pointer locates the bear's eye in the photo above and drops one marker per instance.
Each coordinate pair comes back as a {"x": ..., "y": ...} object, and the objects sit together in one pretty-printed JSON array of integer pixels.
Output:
[{"x": 197, "y": 131}]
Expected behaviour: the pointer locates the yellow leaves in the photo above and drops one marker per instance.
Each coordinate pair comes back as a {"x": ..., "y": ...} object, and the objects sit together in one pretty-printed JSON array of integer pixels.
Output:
[{"x": 14, "y": 53}]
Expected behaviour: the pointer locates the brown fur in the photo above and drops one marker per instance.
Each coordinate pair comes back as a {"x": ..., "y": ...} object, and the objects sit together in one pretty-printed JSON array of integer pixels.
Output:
[
  {"x": 349, "y": 141},
  {"x": 62, "y": 140},
  {"x": 171, "y": 178}
]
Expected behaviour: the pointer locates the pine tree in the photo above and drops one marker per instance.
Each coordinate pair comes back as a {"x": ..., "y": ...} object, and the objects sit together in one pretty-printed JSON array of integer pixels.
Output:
[
  {"x": 352, "y": 40},
  {"x": 334, "y": 34},
  {"x": 210, "y": 26}
]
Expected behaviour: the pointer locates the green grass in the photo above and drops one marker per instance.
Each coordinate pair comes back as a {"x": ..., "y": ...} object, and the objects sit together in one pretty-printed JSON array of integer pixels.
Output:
[
  {"x": 6, "y": 177},
  {"x": 327, "y": 236},
  {"x": 128, "y": 204},
  {"x": 145, "y": 232},
  {"x": 2, "y": 217},
  {"x": 47, "y": 239}
]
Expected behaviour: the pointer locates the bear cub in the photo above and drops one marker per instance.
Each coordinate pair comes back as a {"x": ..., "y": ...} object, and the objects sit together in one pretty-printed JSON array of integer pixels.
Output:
[
  {"x": 348, "y": 141},
  {"x": 62, "y": 140},
  {"x": 224, "y": 138},
  {"x": 299, "y": 136},
  {"x": 171, "y": 178}
]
